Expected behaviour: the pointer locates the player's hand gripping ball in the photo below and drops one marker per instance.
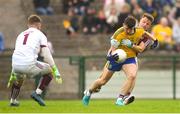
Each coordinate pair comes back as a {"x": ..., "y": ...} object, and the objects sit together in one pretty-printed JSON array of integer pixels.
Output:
[{"x": 121, "y": 55}]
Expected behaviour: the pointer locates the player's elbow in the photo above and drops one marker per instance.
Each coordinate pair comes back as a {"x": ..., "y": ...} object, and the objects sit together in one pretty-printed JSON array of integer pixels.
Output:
[{"x": 140, "y": 50}]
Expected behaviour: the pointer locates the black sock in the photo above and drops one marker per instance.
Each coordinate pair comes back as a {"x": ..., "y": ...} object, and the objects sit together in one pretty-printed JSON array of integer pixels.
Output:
[{"x": 15, "y": 91}]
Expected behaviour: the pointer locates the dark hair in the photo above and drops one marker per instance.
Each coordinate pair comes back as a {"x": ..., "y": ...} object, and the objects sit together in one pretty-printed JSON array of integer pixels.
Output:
[
  {"x": 149, "y": 16},
  {"x": 130, "y": 22},
  {"x": 34, "y": 19}
]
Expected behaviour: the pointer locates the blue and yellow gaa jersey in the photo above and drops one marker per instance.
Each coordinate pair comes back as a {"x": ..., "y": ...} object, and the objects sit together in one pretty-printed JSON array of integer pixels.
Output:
[{"x": 120, "y": 34}]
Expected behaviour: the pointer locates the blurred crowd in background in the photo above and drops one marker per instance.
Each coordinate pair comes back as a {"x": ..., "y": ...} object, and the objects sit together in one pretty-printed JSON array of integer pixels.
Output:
[
  {"x": 1, "y": 42},
  {"x": 84, "y": 18}
]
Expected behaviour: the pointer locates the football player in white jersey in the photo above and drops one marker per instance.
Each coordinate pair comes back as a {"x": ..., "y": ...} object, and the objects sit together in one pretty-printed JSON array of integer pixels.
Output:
[{"x": 24, "y": 61}]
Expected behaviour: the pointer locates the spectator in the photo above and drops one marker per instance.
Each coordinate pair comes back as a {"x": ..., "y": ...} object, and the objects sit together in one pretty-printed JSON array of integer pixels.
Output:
[
  {"x": 112, "y": 17},
  {"x": 112, "y": 20},
  {"x": 136, "y": 10},
  {"x": 175, "y": 12},
  {"x": 66, "y": 5},
  {"x": 1, "y": 42},
  {"x": 151, "y": 7},
  {"x": 124, "y": 12},
  {"x": 71, "y": 25},
  {"x": 89, "y": 22},
  {"x": 79, "y": 6},
  {"x": 164, "y": 6},
  {"x": 176, "y": 34},
  {"x": 42, "y": 7},
  {"x": 101, "y": 22},
  {"x": 112, "y": 11},
  {"x": 115, "y": 4},
  {"x": 163, "y": 33}
]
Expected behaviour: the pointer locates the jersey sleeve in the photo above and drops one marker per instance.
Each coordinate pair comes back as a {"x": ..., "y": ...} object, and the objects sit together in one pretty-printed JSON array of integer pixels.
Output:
[
  {"x": 118, "y": 31},
  {"x": 43, "y": 40},
  {"x": 114, "y": 42},
  {"x": 146, "y": 41}
]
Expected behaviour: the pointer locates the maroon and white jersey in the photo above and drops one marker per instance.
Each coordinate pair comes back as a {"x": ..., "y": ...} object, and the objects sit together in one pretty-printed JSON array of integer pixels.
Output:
[
  {"x": 146, "y": 41},
  {"x": 28, "y": 45}
]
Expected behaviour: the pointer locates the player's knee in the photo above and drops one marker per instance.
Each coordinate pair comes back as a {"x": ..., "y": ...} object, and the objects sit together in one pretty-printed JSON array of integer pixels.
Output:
[{"x": 132, "y": 77}]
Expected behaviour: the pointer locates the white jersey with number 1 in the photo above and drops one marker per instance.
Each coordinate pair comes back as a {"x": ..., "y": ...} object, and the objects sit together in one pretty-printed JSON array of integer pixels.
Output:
[{"x": 28, "y": 45}]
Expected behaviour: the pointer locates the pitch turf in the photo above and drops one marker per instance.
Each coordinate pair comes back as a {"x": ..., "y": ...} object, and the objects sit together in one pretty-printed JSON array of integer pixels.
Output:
[{"x": 95, "y": 106}]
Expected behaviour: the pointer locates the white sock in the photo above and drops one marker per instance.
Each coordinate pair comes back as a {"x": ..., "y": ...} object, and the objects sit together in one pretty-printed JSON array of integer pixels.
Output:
[
  {"x": 38, "y": 91},
  {"x": 87, "y": 93},
  {"x": 119, "y": 99},
  {"x": 12, "y": 100}
]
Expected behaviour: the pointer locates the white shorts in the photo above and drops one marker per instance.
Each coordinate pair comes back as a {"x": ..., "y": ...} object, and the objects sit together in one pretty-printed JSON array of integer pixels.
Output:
[{"x": 39, "y": 68}]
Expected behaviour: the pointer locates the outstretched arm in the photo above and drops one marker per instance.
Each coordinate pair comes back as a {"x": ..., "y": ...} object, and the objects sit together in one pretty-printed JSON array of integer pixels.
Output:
[{"x": 139, "y": 48}]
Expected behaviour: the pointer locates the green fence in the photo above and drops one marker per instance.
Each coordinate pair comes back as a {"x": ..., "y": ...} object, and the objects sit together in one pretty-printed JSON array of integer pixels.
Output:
[
  {"x": 83, "y": 64},
  {"x": 172, "y": 62}
]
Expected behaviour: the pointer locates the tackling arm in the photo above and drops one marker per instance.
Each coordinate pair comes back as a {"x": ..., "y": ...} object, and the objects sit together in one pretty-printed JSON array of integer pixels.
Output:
[
  {"x": 139, "y": 48},
  {"x": 147, "y": 34},
  {"x": 144, "y": 42}
]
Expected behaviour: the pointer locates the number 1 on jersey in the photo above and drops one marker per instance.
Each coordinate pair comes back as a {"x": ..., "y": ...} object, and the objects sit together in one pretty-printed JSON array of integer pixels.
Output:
[{"x": 25, "y": 39}]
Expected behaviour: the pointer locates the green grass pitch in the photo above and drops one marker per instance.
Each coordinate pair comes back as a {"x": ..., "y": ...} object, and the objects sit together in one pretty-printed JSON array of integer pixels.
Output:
[{"x": 95, "y": 106}]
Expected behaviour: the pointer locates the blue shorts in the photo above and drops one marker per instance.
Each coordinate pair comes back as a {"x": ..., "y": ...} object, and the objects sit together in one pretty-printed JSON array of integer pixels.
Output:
[{"x": 114, "y": 66}]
